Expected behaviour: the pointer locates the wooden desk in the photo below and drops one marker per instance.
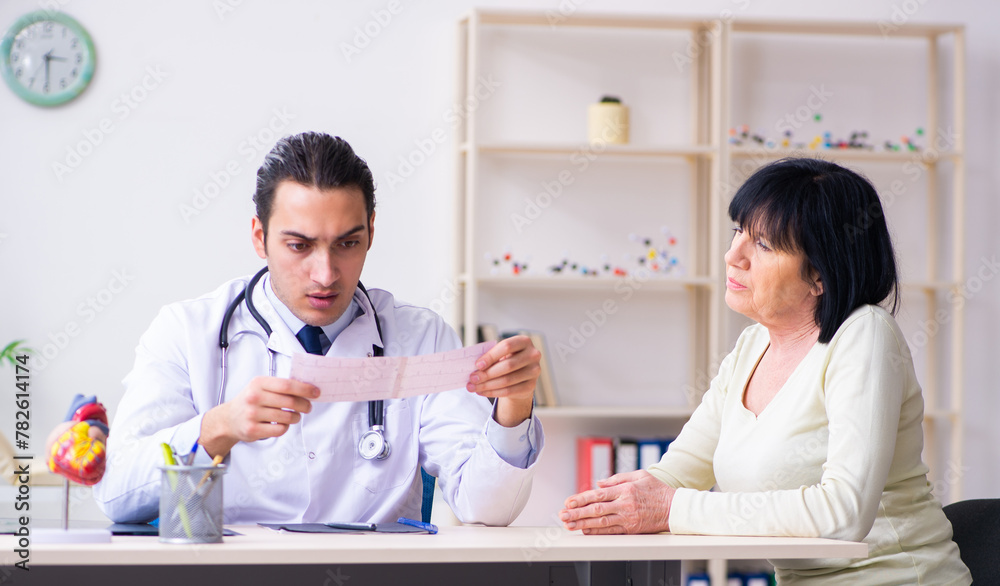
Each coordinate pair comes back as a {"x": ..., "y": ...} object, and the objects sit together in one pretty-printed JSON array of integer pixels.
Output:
[{"x": 523, "y": 554}]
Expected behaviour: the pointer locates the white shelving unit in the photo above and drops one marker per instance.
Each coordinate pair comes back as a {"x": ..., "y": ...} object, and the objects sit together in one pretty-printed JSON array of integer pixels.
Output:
[
  {"x": 687, "y": 81},
  {"x": 677, "y": 145}
]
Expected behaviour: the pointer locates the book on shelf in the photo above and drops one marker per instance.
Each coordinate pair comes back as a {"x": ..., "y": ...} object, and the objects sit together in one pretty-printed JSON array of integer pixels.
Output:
[
  {"x": 545, "y": 392},
  {"x": 597, "y": 455},
  {"x": 756, "y": 579},
  {"x": 593, "y": 461},
  {"x": 487, "y": 333},
  {"x": 626, "y": 455},
  {"x": 484, "y": 333},
  {"x": 733, "y": 579},
  {"x": 651, "y": 450}
]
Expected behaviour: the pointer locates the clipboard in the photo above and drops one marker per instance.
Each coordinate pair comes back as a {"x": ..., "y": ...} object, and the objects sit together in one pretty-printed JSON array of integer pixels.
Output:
[
  {"x": 389, "y": 527},
  {"x": 147, "y": 529}
]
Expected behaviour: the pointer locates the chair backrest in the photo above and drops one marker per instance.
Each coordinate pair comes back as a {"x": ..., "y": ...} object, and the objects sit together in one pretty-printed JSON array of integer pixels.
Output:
[
  {"x": 428, "y": 496},
  {"x": 976, "y": 524}
]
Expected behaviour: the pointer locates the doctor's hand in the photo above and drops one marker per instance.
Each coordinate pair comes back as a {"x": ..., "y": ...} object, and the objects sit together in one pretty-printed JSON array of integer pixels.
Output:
[
  {"x": 633, "y": 502},
  {"x": 264, "y": 408},
  {"x": 508, "y": 372}
]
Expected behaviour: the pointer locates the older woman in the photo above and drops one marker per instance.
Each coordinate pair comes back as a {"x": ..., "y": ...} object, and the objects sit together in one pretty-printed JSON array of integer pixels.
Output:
[{"x": 812, "y": 427}]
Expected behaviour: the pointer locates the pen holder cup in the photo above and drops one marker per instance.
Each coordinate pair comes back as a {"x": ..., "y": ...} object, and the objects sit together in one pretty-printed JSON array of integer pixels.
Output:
[{"x": 191, "y": 504}]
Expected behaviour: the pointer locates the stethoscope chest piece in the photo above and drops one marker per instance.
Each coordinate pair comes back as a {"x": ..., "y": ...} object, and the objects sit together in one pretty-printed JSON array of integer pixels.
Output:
[{"x": 373, "y": 445}]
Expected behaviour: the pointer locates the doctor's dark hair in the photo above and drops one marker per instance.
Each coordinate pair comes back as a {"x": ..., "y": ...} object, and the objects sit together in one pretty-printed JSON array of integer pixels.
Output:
[
  {"x": 835, "y": 217},
  {"x": 313, "y": 159}
]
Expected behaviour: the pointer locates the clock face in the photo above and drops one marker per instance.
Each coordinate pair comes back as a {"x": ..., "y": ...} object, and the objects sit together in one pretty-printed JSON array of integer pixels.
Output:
[{"x": 47, "y": 58}]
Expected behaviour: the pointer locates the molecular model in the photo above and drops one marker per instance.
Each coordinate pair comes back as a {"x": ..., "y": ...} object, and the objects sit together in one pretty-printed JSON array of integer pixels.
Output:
[
  {"x": 604, "y": 267},
  {"x": 504, "y": 263},
  {"x": 658, "y": 259},
  {"x": 741, "y": 135}
]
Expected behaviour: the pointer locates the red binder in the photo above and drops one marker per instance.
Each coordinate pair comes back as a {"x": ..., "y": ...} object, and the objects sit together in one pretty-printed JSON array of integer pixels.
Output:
[{"x": 594, "y": 461}]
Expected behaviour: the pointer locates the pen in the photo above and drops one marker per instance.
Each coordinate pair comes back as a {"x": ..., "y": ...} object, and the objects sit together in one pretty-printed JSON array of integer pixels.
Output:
[
  {"x": 168, "y": 455},
  {"x": 189, "y": 459},
  {"x": 354, "y": 526},
  {"x": 168, "y": 458},
  {"x": 215, "y": 462},
  {"x": 432, "y": 529}
]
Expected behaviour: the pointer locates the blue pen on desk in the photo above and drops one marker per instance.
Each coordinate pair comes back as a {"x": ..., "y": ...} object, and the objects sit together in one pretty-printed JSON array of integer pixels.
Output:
[
  {"x": 432, "y": 529},
  {"x": 353, "y": 526}
]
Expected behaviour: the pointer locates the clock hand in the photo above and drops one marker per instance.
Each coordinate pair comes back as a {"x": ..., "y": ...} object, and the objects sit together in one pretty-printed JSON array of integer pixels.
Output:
[{"x": 34, "y": 75}]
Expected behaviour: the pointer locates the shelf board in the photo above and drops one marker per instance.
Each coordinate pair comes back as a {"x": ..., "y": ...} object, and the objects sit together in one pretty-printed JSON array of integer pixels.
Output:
[
  {"x": 613, "y": 412},
  {"x": 936, "y": 414},
  {"x": 656, "y": 284},
  {"x": 652, "y": 412},
  {"x": 843, "y": 28},
  {"x": 607, "y": 150},
  {"x": 555, "y": 18},
  {"x": 840, "y": 154},
  {"x": 591, "y": 283},
  {"x": 653, "y": 284},
  {"x": 928, "y": 286}
]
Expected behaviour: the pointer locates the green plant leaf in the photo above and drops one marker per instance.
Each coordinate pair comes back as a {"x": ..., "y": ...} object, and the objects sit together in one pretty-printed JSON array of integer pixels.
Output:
[{"x": 7, "y": 355}]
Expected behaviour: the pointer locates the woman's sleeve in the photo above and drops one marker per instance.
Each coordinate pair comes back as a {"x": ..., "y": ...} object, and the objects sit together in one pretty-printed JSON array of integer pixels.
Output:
[
  {"x": 863, "y": 385},
  {"x": 688, "y": 461}
]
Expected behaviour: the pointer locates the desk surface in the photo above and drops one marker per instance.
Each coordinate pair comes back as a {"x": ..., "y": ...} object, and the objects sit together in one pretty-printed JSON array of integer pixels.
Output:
[{"x": 452, "y": 545}]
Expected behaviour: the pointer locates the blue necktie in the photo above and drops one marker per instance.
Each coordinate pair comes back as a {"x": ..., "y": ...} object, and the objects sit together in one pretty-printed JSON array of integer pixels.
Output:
[{"x": 309, "y": 337}]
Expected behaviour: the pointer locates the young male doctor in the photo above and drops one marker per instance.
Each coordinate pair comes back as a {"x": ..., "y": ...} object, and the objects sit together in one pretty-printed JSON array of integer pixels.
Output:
[{"x": 291, "y": 459}]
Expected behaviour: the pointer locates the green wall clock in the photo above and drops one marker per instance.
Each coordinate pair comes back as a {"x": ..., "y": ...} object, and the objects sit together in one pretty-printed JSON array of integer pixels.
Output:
[{"x": 47, "y": 58}]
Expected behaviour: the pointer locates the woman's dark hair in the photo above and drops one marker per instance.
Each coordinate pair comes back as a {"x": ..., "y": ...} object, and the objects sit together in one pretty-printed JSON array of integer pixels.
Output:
[
  {"x": 835, "y": 217},
  {"x": 315, "y": 160}
]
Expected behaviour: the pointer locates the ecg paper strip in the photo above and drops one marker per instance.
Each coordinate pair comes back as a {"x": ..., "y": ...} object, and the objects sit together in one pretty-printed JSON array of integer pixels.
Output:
[{"x": 387, "y": 377}]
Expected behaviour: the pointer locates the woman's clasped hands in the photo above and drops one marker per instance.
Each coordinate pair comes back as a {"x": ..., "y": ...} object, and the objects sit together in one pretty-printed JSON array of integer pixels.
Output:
[{"x": 632, "y": 502}]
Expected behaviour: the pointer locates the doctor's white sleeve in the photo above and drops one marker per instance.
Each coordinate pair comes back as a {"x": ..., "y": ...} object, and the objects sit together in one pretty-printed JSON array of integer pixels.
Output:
[
  {"x": 157, "y": 407},
  {"x": 484, "y": 469}
]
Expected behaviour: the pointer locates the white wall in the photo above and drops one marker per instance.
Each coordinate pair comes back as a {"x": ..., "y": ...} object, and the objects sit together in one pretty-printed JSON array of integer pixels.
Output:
[{"x": 64, "y": 239}]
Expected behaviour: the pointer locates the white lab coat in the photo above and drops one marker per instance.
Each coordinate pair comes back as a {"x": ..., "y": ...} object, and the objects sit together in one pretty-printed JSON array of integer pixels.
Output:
[{"x": 313, "y": 473}]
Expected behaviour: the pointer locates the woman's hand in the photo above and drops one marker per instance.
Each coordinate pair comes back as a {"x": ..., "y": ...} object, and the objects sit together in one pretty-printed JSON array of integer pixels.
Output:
[{"x": 634, "y": 502}]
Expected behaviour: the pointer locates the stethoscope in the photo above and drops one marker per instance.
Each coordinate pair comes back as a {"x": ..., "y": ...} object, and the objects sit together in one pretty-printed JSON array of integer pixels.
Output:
[{"x": 373, "y": 445}]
